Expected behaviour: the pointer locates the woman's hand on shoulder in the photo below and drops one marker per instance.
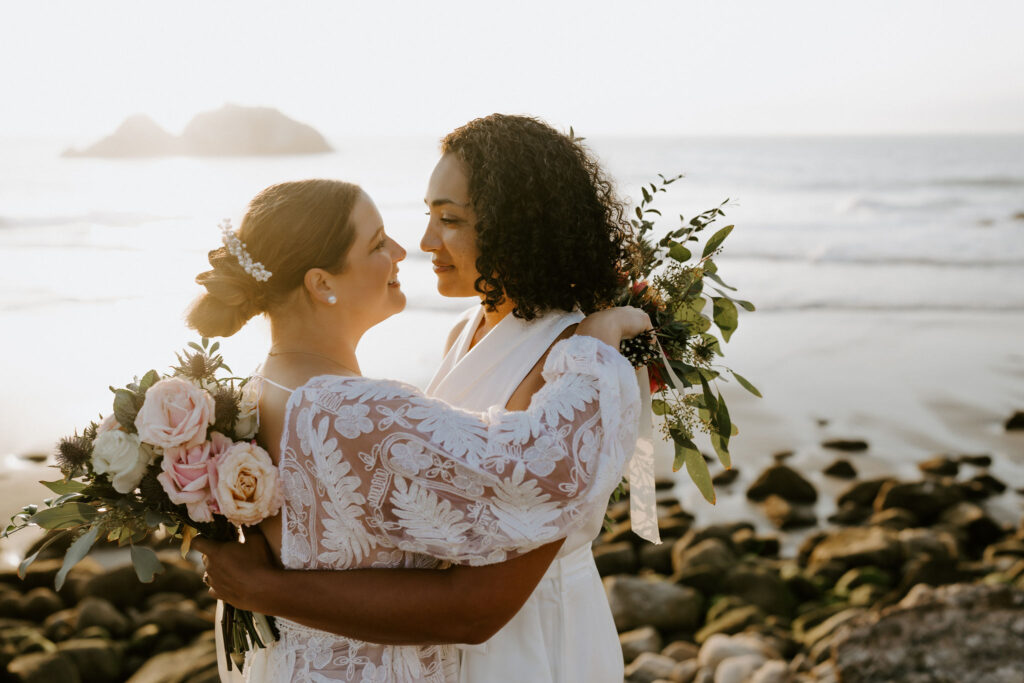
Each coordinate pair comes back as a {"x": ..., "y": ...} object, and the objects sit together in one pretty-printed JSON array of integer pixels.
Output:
[{"x": 612, "y": 325}]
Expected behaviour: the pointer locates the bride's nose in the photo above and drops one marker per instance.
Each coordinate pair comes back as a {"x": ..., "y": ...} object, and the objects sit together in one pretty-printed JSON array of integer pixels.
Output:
[{"x": 398, "y": 252}]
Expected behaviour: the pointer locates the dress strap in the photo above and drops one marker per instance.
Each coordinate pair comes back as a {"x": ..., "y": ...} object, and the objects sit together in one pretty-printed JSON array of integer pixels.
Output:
[{"x": 270, "y": 381}]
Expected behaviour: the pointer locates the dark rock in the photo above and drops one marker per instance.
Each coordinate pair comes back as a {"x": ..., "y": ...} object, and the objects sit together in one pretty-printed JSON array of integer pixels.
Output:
[
  {"x": 712, "y": 552},
  {"x": 10, "y": 605},
  {"x": 968, "y": 632},
  {"x": 99, "y": 612},
  {"x": 144, "y": 639},
  {"x": 811, "y": 618},
  {"x": 638, "y": 641},
  {"x": 849, "y": 514},
  {"x": 97, "y": 661},
  {"x": 858, "y": 546},
  {"x": 122, "y": 587},
  {"x": 733, "y": 621},
  {"x": 802, "y": 586},
  {"x": 982, "y": 460},
  {"x": 619, "y": 510},
  {"x": 704, "y": 578},
  {"x": 725, "y": 477},
  {"x": 807, "y": 546},
  {"x": 747, "y": 542},
  {"x": 760, "y": 586},
  {"x": 615, "y": 558},
  {"x": 673, "y": 527},
  {"x": 973, "y": 527},
  {"x": 1012, "y": 547},
  {"x": 927, "y": 570},
  {"x": 649, "y": 667},
  {"x": 43, "y": 667},
  {"x": 61, "y": 625},
  {"x": 1015, "y": 422},
  {"x": 893, "y": 518},
  {"x": 180, "y": 665},
  {"x": 862, "y": 576},
  {"x": 940, "y": 465},
  {"x": 972, "y": 490},
  {"x": 990, "y": 483},
  {"x": 621, "y": 531},
  {"x": 785, "y": 515},
  {"x": 848, "y": 445},
  {"x": 785, "y": 482},
  {"x": 40, "y": 603},
  {"x": 722, "y": 532},
  {"x": 183, "y": 619},
  {"x": 657, "y": 558},
  {"x": 681, "y": 650},
  {"x": 926, "y": 499},
  {"x": 782, "y": 456},
  {"x": 841, "y": 469},
  {"x": 636, "y": 601},
  {"x": 862, "y": 493}
]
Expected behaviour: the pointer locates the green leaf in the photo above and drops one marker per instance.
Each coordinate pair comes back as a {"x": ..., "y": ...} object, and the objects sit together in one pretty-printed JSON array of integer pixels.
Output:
[
  {"x": 65, "y": 516},
  {"x": 709, "y": 401},
  {"x": 214, "y": 347},
  {"x": 659, "y": 407},
  {"x": 688, "y": 455},
  {"x": 679, "y": 253},
  {"x": 714, "y": 276},
  {"x": 721, "y": 447},
  {"x": 146, "y": 563},
  {"x": 726, "y": 316},
  {"x": 197, "y": 347},
  {"x": 148, "y": 380},
  {"x": 639, "y": 213},
  {"x": 647, "y": 195},
  {"x": 746, "y": 384},
  {"x": 32, "y": 558},
  {"x": 716, "y": 240},
  {"x": 74, "y": 555},
  {"x": 125, "y": 409},
  {"x": 62, "y": 487},
  {"x": 720, "y": 440}
]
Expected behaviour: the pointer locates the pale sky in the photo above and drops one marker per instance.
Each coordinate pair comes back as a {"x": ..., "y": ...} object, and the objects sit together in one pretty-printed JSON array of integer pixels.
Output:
[{"x": 76, "y": 69}]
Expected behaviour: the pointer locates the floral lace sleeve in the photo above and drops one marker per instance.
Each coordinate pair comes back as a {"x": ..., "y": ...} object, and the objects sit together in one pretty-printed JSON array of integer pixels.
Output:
[{"x": 372, "y": 467}]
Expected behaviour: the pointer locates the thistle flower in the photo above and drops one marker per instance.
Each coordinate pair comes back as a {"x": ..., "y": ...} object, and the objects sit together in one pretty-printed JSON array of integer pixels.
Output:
[
  {"x": 225, "y": 410},
  {"x": 197, "y": 366},
  {"x": 73, "y": 454}
]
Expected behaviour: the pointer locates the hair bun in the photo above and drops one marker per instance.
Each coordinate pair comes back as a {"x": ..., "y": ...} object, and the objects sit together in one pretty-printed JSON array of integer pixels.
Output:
[{"x": 232, "y": 297}]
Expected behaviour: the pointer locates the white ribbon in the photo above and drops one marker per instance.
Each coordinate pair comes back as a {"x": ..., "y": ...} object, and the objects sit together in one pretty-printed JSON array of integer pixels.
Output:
[{"x": 643, "y": 509}]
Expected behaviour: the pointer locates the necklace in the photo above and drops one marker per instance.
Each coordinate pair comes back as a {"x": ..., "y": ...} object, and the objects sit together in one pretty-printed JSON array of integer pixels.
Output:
[{"x": 318, "y": 355}]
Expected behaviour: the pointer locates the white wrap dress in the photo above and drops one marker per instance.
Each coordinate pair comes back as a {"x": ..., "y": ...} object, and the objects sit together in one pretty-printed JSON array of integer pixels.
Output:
[{"x": 565, "y": 632}]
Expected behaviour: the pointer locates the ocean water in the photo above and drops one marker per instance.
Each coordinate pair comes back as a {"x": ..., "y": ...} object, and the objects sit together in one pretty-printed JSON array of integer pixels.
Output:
[{"x": 97, "y": 257}]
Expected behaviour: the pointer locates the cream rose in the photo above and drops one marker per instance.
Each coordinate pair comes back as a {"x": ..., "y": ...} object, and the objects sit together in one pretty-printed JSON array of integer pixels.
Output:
[
  {"x": 123, "y": 457},
  {"x": 175, "y": 413},
  {"x": 248, "y": 421},
  {"x": 246, "y": 484},
  {"x": 108, "y": 424},
  {"x": 186, "y": 475}
]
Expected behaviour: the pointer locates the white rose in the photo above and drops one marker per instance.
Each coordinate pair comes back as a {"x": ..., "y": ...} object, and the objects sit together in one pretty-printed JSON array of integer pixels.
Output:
[
  {"x": 248, "y": 421},
  {"x": 121, "y": 456}
]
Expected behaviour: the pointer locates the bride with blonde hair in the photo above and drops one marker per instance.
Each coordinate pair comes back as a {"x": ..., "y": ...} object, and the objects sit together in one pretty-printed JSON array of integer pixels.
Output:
[{"x": 377, "y": 475}]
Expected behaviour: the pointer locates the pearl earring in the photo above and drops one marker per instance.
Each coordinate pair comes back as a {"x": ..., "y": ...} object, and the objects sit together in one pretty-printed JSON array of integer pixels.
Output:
[{"x": 332, "y": 299}]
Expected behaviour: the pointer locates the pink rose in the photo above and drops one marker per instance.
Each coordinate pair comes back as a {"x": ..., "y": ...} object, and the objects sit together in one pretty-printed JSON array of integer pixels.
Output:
[
  {"x": 175, "y": 413},
  {"x": 247, "y": 486},
  {"x": 186, "y": 476}
]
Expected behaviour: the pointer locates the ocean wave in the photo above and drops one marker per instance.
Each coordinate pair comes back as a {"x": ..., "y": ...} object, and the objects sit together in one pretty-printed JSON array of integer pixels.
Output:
[
  {"x": 881, "y": 260},
  {"x": 105, "y": 218},
  {"x": 876, "y": 205},
  {"x": 996, "y": 181}
]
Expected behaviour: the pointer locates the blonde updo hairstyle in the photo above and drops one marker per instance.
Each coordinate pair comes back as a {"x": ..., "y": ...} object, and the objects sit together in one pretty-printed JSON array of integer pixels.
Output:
[{"x": 289, "y": 228}]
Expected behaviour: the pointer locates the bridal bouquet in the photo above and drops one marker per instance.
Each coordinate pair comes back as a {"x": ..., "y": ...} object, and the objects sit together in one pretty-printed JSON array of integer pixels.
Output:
[
  {"x": 670, "y": 282},
  {"x": 175, "y": 456}
]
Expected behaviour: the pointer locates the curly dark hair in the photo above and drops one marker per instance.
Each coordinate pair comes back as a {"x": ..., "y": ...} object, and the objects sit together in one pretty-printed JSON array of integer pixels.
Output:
[{"x": 550, "y": 229}]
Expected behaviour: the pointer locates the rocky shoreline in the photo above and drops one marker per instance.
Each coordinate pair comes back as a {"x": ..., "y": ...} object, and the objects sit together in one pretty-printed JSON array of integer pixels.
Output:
[{"x": 909, "y": 581}]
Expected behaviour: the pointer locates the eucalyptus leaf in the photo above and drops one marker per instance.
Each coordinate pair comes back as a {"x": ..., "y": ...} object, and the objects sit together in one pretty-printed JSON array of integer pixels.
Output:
[
  {"x": 75, "y": 553},
  {"x": 716, "y": 240},
  {"x": 678, "y": 252},
  {"x": 32, "y": 558},
  {"x": 147, "y": 564},
  {"x": 197, "y": 347},
  {"x": 62, "y": 487},
  {"x": 659, "y": 407},
  {"x": 65, "y": 516},
  {"x": 746, "y": 384},
  {"x": 697, "y": 468},
  {"x": 714, "y": 276},
  {"x": 125, "y": 409},
  {"x": 726, "y": 316},
  {"x": 148, "y": 380}
]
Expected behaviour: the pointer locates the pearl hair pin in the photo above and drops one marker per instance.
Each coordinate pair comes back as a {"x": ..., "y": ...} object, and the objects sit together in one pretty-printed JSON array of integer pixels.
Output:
[{"x": 237, "y": 249}]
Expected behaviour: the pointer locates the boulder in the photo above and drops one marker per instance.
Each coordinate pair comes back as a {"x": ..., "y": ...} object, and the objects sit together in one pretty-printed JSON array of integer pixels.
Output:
[
  {"x": 757, "y": 585},
  {"x": 40, "y": 603},
  {"x": 712, "y": 552},
  {"x": 615, "y": 558},
  {"x": 43, "y": 667},
  {"x": 786, "y": 515},
  {"x": 681, "y": 650},
  {"x": 981, "y": 460},
  {"x": 738, "y": 669},
  {"x": 657, "y": 558},
  {"x": 969, "y": 632},
  {"x": 137, "y": 136},
  {"x": 863, "y": 493},
  {"x": 841, "y": 469},
  {"x": 785, "y": 482},
  {"x": 858, "y": 546},
  {"x": 1015, "y": 422},
  {"x": 99, "y": 612},
  {"x": 185, "y": 664},
  {"x": 686, "y": 671},
  {"x": 849, "y": 514},
  {"x": 893, "y": 518},
  {"x": 720, "y": 647},
  {"x": 991, "y": 485},
  {"x": 97, "y": 660},
  {"x": 725, "y": 477},
  {"x": 926, "y": 499},
  {"x": 774, "y": 671},
  {"x": 649, "y": 667},
  {"x": 637, "y": 601},
  {"x": 733, "y": 621},
  {"x": 847, "y": 445},
  {"x": 638, "y": 641},
  {"x": 940, "y": 465}
]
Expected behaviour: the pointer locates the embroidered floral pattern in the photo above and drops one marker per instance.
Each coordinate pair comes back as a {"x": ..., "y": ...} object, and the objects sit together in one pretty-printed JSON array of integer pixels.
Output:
[{"x": 378, "y": 475}]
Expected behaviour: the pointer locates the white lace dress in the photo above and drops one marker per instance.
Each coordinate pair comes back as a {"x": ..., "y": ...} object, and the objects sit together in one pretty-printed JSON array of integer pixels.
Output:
[{"x": 378, "y": 475}]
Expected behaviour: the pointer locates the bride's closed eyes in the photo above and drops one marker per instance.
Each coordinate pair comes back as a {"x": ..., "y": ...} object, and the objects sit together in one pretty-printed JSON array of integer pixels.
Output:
[{"x": 448, "y": 220}]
